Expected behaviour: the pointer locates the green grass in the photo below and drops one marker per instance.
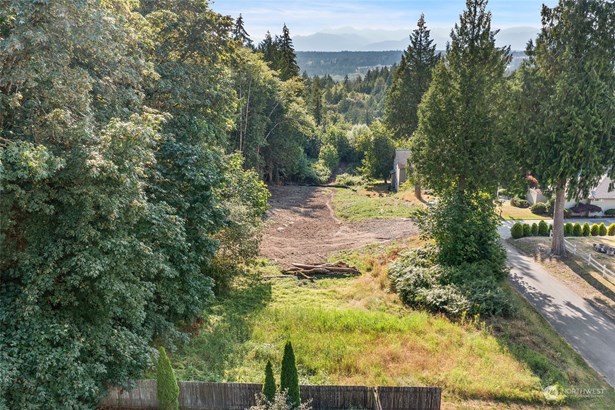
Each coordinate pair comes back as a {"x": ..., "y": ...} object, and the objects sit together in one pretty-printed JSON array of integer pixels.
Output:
[
  {"x": 509, "y": 212},
  {"x": 353, "y": 331},
  {"x": 371, "y": 203}
]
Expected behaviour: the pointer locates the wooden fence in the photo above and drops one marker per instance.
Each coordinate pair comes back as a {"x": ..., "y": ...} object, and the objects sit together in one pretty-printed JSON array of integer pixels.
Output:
[{"x": 235, "y": 396}]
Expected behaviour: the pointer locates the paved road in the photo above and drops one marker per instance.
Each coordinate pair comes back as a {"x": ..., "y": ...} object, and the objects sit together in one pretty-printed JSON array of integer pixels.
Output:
[{"x": 586, "y": 329}]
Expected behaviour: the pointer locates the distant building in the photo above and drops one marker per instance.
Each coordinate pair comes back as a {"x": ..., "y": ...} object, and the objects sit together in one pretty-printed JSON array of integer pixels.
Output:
[{"x": 399, "y": 175}]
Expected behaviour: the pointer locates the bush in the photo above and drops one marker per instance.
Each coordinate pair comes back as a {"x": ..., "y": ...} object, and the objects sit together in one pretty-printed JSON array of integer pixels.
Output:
[
  {"x": 517, "y": 230},
  {"x": 350, "y": 180},
  {"x": 611, "y": 230},
  {"x": 602, "y": 229},
  {"x": 167, "y": 388},
  {"x": 586, "y": 229},
  {"x": 610, "y": 212},
  {"x": 527, "y": 230},
  {"x": 594, "y": 230},
  {"x": 568, "y": 229},
  {"x": 289, "y": 377},
  {"x": 269, "y": 385},
  {"x": 577, "y": 230},
  {"x": 543, "y": 228},
  {"x": 539, "y": 208},
  {"x": 534, "y": 229},
  {"x": 519, "y": 203},
  {"x": 328, "y": 156},
  {"x": 279, "y": 402}
]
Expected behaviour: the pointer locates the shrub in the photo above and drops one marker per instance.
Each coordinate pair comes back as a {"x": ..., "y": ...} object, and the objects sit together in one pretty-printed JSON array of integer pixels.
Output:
[
  {"x": 519, "y": 203},
  {"x": 289, "y": 378},
  {"x": 602, "y": 229},
  {"x": 611, "y": 230},
  {"x": 543, "y": 228},
  {"x": 167, "y": 388},
  {"x": 534, "y": 229},
  {"x": 577, "y": 230},
  {"x": 610, "y": 212},
  {"x": 269, "y": 385},
  {"x": 527, "y": 230},
  {"x": 328, "y": 156},
  {"x": 539, "y": 208},
  {"x": 517, "y": 230},
  {"x": 350, "y": 180},
  {"x": 594, "y": 230},
  {"x": 568, "y": 229},
  {"x": 586, "y": 229},
  {"x": 585, "y": 209},
  {"x": 279, "y": 402}
]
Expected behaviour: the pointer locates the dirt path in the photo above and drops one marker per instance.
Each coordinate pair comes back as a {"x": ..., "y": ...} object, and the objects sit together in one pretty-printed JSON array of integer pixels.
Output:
[{"x": 303, "y": 228}]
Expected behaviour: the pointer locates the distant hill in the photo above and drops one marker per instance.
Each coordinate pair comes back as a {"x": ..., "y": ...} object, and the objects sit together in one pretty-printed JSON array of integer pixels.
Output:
[{"x": 352, "y": 63}]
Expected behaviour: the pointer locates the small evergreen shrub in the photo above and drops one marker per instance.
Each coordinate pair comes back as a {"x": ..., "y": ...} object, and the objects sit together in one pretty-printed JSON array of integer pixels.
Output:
[
  {"x": 269, "y": 385},
  {"x": 543, "y": 228},
  {"x": 539, "y": 208},
  {"x": 527, "y": 230},
  {"x": 534, "y": 229},
  {"x": 595, "y": 230},
  {"x": 586, "y": 229},
  {"x": 602, "y": 229},
  {"x": 577, "y": 230},
  {"x": 289, "y": 377},
  {"x": 167, "y": 388},
  {"x": 517, "y": 230},
  {"x": 611, "y": 230},
  {"x": 519, "y": 203},
  {"x": 610, "y": 212},
  {"x": 568, "y": 229}
]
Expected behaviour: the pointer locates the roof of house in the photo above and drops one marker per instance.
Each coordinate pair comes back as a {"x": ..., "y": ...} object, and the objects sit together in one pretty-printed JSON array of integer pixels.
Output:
[
  {"x": 602, "y": 190},
  {"x": 401, "y": 158}
]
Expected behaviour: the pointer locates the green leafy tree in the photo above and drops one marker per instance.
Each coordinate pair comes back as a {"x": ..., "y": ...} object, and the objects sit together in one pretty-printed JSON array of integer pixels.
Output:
[
  {"x": 456, "y": 149},
  {"x": 167, "y": 388},
  {"x": 567, "y": 112},
  {"x": 289, "y": 377},
  {"x": 379, "y": 151},
  {"x": 269, "y": 388}
]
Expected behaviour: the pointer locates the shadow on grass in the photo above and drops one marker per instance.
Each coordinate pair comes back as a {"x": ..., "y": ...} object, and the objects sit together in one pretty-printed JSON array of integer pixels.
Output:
[
  {"x": 589, "y": 279},
  {"x": 220, "y": 343}
]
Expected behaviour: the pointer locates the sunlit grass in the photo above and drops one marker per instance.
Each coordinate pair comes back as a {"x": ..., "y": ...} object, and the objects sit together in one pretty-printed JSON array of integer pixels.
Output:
[
  {"x": 509, "y": 212},
  {"x": 371, "y": 203}
]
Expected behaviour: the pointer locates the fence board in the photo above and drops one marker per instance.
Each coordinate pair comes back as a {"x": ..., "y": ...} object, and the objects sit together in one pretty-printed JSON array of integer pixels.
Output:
[{"x": 236, "y": 396}]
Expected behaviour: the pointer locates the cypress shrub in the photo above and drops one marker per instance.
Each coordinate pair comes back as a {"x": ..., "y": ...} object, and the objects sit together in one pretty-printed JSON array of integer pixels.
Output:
[
  {"x": 534, "y": 229},
  {"x": 167, "y": 389},
  {"x": 517, "y": 230},
  {"x": 568, "y": 229},
  {"x": 611, "y": 230},
  {"x": 539, "y": 208},
  {"x": 595, "y": 230},
  {"x": 602, "y": 229},
  {"x": 289, "y": 378},
  {"x": 527, "y": 230},
  {"x": 543, "y": 228},
  {"x": 577, "y": 230},
  {"x": 269, "y": 385},
  {"x": 586, "y": 229}
]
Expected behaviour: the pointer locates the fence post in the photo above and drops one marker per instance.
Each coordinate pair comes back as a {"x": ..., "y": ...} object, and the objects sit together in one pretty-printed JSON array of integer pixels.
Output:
[{"x": 589, "y": 259}]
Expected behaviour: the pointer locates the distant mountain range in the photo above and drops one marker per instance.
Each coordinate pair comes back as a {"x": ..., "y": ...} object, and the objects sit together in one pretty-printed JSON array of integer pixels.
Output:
[{"x": 351, "y": 39}]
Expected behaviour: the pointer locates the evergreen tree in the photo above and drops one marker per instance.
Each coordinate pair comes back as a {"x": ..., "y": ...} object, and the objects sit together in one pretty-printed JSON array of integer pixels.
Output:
[
  {"x": 166, "y": 386},
  {"x": 411, "y": 80},
  {"x": 286, "y": 63},
  {"x": 566, "y": 114},
  {"x": 269, "y": 49},
  {"x": 457, "y": 150},
  {"x": 379, "y": 152},
  {"x": 269, "y": 388},
  {"x": 316, "y": 101},
  {"x": 289, "y": 378},
  {"x": 240, "y": 34}
]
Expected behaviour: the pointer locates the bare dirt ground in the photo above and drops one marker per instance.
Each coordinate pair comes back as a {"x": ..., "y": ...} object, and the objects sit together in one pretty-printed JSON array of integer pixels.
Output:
[{"x": 302, "y": 227}]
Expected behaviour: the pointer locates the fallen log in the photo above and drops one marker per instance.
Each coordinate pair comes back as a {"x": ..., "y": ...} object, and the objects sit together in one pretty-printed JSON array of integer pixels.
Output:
[{"x": 329, "y": 267}]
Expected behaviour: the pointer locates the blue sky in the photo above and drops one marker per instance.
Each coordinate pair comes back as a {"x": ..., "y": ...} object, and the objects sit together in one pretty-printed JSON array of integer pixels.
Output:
[{"x": 307, "y": 17}]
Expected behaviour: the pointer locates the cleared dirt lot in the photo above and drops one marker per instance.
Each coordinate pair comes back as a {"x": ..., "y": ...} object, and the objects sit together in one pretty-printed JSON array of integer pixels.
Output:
[{"x": 302, "y": 227}]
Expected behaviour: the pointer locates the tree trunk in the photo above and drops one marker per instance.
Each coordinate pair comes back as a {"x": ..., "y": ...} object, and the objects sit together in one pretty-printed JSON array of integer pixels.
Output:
[
  {"x": 417, "y": 189},
  {"x": 558, "y": 246}
]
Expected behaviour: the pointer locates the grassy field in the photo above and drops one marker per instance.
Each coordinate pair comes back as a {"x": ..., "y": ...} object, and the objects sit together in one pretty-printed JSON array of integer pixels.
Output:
[
  {"x": 372, "y": 202},
  {"x": 353, "y": 331},
  {"x": 509, "y": 212}
]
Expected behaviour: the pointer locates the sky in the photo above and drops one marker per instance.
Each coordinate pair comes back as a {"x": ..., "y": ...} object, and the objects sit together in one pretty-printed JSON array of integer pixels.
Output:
[{"x": 305, "y": 17}]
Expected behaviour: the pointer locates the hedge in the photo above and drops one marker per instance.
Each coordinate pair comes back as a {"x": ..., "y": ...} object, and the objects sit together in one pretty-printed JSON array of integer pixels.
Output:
[
  {"x": 577, "y": 230},
  {"x": 517, "y": 230},
  {"x": 603, "y": 230},
  {"x": 595, "y": 230},
  {"x": 611, "y": 230},
  {"x": 586, "y": 229},
  {"x": 539, "y": 208}
]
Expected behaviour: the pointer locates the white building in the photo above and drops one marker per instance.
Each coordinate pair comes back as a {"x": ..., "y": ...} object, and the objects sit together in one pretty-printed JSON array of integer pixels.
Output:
[{"x": 399, "y": 175}]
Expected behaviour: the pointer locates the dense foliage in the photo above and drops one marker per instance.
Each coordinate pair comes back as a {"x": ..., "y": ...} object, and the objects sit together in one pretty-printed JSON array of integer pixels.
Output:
[
  {"x": 289, "y": 377},
  {"x": 269, "y": 388}
]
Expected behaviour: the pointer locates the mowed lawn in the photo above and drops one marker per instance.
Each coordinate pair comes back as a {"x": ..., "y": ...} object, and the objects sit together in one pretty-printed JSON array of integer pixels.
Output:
[
  {"x": 509, "y": 212},
  {"x": 353, "y": 331}
]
